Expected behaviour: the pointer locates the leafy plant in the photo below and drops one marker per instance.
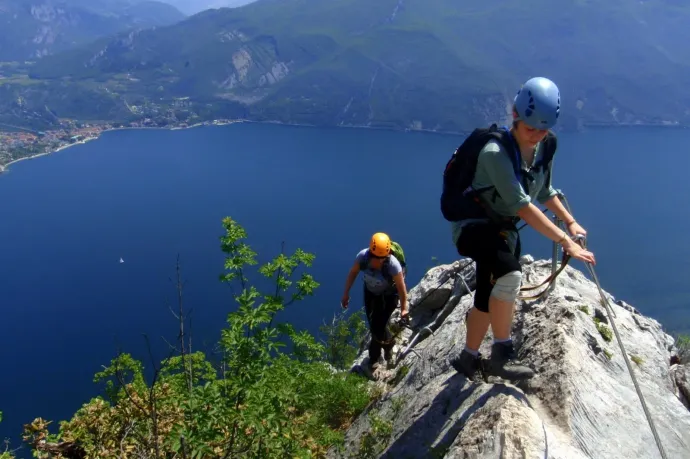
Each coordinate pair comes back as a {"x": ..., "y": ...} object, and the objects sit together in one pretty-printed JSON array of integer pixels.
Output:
[
  {"x": 343, "y": 338},
  {"x": 260, "y": 401},
  {"x": 603, "y": 330},
  {"x": 375, "y": 440},
  {"x": 683, "y": 345},
  {"x": 5, "y": 454}
]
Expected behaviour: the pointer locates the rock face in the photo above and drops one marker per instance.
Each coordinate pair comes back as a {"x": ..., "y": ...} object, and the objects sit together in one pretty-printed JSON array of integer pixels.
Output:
[
  {"x": 581, "y": 404},
  {"x": 681, "y": 377},
  {"x": 37, "y": 28}
]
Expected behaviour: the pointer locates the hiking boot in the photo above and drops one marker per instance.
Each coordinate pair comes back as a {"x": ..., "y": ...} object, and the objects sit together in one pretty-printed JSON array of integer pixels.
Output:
[
  {"x": 501, "y": 364},
  {"x": 466, "y": 364}
]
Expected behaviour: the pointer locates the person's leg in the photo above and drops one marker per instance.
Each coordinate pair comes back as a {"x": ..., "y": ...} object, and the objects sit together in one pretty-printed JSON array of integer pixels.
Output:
[
  {"x": 502, "y": 304},
  {"x": 494, "y": 302},
  {"x": 507, "y": 272},
  {"x": 370, "y": 306},
  {"x": 474, "y": 243},
  {"x": 379, "y": 320},
  {"x": 478, "y": 319},
  {"x": 390, "y": 302}
]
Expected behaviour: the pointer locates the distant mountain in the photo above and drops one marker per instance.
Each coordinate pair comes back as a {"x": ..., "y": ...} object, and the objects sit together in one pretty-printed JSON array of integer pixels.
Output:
[
  {"x": 196, "y": 6},
  {"x": 30, "y": 29},
  {"x": 419, "y": 64}
]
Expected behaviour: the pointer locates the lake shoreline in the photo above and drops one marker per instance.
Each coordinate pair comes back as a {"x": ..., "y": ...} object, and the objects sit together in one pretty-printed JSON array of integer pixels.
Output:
[
  {"x": 226, "y": 121},
  {"x": 3, "y": 167}
]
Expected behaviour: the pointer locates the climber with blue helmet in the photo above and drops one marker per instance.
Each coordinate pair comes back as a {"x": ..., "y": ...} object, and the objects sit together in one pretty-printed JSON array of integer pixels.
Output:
[{"x": 506, "y": 172}]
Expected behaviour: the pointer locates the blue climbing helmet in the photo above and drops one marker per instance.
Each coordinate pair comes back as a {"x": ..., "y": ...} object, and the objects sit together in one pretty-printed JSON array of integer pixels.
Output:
[{"x": 538, "y": 103}]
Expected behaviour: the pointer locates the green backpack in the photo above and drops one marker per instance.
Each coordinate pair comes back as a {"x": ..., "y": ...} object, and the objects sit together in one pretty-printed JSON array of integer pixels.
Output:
[{"x": 398, "y": 252}]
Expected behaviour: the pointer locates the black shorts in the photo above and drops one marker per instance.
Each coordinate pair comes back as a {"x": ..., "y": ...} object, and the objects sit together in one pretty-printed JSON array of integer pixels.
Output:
[{"x": 484, "y": 243}]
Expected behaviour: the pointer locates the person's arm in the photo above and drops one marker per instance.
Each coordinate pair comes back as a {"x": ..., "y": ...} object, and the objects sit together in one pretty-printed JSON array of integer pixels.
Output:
[
  {"x": 402, "y": 293},
  {"x": 351, "y": 276},
  {"x": 499, "y": 169},
  {"x": 540, "y": 222}
]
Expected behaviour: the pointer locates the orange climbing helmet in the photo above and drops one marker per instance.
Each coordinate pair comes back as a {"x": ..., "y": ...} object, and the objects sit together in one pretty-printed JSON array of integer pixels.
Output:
[{"x": 380, "y": 245}]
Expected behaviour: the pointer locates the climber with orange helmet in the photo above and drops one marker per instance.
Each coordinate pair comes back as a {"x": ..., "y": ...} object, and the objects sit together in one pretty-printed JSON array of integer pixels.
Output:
[{"x": 384, "y": 285}]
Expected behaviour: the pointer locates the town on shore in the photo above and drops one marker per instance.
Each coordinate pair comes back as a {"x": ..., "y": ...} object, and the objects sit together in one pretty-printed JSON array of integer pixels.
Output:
[{"x": 22, "y": 143}]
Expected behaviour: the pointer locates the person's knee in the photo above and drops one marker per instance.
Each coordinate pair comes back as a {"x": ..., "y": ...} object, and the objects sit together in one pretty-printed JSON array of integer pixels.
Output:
[{"x": 507, "y": 286}]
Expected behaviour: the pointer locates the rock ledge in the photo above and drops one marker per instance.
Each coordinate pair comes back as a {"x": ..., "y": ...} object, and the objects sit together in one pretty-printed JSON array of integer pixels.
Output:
[{"x": 581, "y": 404}]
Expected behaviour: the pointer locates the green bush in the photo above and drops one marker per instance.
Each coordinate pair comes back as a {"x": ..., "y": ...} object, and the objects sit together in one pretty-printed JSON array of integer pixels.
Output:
[
  {"x": 343, "y": 337},
  {"x": 604, "y": 330},
  {"x": 683, "y": 345},
  {"x": 5, "y": 454},
  {"x": 261, "y": 401}
]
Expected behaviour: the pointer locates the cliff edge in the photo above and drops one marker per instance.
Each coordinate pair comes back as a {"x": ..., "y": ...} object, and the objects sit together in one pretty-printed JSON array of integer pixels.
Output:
[{"x": 581, "y": 404}]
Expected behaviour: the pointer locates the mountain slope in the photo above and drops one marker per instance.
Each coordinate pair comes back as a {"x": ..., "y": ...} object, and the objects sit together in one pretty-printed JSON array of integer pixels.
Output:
[
  {"x": 35, "y": 28},
  {"x": 196, "y": 6},
  {"x": 430, "y": 64}
]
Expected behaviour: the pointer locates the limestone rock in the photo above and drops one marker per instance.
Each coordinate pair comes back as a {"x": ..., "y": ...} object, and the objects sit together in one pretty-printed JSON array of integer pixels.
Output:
[
  {"x": 681, "y": 378},
  {"x": 581, "y": 404}
]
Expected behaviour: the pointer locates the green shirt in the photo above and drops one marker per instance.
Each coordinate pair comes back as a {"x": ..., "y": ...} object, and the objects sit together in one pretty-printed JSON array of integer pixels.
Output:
[{"x": 507, "y": 195}]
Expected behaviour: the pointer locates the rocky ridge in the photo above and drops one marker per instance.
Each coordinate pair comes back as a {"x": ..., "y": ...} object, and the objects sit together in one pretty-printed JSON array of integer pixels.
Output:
[
  {"x": 581, "y": 404},
  {"x": 30, "y": 30}
]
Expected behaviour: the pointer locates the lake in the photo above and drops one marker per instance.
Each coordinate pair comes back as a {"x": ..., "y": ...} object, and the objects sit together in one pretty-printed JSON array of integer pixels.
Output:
[{"x": 149, "y": 195}]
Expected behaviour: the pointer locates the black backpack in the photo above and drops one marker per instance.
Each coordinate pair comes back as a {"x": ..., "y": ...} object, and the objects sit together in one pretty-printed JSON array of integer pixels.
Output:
[{"x": 459, "y": 200}]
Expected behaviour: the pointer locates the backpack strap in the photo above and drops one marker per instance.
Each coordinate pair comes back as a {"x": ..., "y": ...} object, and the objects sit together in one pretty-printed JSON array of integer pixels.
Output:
[
  {"x": 364, "y": 262},
  {"x": 511, "y": 147},
  {"x": 550, "y": 146},
  {"x": 550, "y": 143}
]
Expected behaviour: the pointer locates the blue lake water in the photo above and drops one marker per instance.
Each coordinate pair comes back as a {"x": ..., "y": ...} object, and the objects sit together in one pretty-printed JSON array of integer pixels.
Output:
[{"x": 147, "y": 195}]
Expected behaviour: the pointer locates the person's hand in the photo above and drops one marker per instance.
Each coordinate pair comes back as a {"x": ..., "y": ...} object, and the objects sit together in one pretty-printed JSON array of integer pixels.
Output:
[
  {"x": 345, "y": 301},
  {"x": 575, "y": 229},
  {"x": 404, "y": 317},
  {"x": 575, "y": 250}
]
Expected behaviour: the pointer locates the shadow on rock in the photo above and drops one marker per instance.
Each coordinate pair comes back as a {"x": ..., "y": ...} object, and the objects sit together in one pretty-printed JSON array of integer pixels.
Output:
[{"x": 434, "y": 432}]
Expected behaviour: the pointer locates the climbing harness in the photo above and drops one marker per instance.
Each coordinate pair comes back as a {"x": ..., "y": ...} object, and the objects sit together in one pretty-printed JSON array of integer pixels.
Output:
[
  {"x": 429, "y": 329},
  {"x": 609, "y": 311}
]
